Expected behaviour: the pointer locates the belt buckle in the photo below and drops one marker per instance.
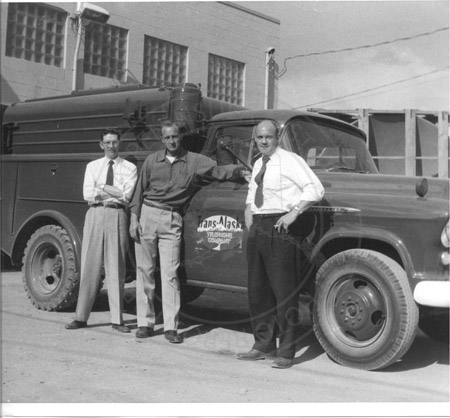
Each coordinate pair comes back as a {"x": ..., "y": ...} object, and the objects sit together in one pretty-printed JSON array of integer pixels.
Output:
[{"x": 112, "y": 205}]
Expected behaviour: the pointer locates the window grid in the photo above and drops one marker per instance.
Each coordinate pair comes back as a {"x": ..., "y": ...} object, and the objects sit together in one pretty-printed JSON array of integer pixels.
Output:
[
  {"x": 225, "y": 79},
  {"x": 105, "y": 51},
  {"x": 35, "y": 33},
  {"x": 164, "y": 62}
]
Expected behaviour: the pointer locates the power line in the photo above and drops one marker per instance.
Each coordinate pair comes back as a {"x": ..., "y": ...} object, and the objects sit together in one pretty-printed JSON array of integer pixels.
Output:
[
  {"x": 396, "y": 88},
  {"x": 374, "y": 88},
  {"x": 407, "y": 38}
]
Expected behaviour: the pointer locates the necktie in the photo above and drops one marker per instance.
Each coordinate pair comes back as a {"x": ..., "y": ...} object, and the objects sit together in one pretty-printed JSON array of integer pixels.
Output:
[
  {"x": 259, "y": 181},
  {"x": 110, "y": 174}
]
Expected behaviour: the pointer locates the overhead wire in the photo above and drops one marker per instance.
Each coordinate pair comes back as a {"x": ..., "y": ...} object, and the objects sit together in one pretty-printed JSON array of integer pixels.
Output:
[
  {"x": 374, "y": 88},
  {"x": 374, "y": 93},
  {"x": 406, "y": 38}
]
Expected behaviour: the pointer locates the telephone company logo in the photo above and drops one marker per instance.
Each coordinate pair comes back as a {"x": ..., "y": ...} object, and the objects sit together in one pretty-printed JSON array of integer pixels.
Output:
[{"x": 220, "y": 232}]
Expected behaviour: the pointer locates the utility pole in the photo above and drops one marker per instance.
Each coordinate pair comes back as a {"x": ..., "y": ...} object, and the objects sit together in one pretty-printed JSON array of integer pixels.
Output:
[{"x": 269, "y": 94}]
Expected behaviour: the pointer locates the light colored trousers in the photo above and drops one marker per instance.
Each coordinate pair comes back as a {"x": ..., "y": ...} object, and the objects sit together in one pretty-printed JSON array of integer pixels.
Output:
[
  {"x": 161, "y": 231},
  {"x": 105, "y": 242}
]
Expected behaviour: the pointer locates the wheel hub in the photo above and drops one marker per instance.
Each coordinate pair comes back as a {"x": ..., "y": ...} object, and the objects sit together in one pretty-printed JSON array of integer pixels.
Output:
[
  {"x": 359, "y": 309},
  {"x": 47, "y": 268}
]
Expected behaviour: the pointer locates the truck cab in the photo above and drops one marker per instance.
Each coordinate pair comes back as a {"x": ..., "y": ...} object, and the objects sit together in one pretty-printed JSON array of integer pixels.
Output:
[{"x": 367, "y": 272}]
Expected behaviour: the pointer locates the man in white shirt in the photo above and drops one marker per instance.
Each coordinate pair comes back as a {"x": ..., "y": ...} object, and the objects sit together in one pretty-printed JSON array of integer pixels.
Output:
[
  {"x": 108, "y": 185},
  {"x": 282, "y": 187}
]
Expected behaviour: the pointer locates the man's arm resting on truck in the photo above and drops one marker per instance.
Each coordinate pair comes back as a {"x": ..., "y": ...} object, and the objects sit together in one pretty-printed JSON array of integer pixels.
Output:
[{"x": 207, "y": 167}]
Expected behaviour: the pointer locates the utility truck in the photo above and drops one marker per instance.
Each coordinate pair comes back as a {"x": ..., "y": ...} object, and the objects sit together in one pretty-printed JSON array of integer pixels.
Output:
[{"x": 377, "y": 250}]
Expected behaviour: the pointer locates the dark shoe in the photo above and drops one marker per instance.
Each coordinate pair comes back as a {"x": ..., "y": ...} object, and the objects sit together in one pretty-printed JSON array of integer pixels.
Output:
[
  {"x": 76, "y": 324},
  {"x": 173, "y": 337},
  {"x": 144, "y": 332},
  {"x": 282, "y": 363},
  {"x": 120, "y": 328},
  {"x": 253, "y": 355}
]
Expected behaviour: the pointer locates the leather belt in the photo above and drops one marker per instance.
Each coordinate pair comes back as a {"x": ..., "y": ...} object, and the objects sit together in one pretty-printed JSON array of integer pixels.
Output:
[
  {"x": 161, "y": 206},
  {"x": 108, "y": 205}
]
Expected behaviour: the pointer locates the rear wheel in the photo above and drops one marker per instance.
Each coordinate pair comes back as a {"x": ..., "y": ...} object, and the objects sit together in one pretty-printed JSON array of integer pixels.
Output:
[
  {"x": 364, "y": 315},
  {"x": 50, "y": 274}
]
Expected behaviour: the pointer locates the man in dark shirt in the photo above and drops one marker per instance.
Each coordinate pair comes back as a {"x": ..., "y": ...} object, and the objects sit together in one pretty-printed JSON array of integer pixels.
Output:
[{"x": 168, "y": 180}]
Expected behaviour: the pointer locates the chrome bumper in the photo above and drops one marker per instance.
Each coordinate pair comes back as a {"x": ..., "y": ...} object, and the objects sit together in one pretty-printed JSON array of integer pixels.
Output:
[{"x": 431, "y": 293}]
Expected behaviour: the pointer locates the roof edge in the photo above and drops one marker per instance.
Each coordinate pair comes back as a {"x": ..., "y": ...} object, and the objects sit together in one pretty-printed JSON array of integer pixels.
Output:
[{"x": 250, "y": 11}]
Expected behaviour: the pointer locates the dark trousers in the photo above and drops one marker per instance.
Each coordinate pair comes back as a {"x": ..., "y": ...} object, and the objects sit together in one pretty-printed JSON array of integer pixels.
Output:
[{"x": 273, "y": 258}]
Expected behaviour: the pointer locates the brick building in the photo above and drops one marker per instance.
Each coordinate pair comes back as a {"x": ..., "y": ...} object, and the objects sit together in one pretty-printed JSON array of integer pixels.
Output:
[{"x": 220, "y": 45}]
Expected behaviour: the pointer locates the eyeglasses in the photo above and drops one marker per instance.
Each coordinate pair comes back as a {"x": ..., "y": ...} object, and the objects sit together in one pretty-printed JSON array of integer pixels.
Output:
[{"x": 111, "y": 144}]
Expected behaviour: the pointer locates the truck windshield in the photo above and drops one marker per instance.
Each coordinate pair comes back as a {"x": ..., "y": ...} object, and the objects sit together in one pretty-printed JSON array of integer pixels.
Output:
[
  {"x": 326, "y": 145},
  {"x": 322, "y": 146}
]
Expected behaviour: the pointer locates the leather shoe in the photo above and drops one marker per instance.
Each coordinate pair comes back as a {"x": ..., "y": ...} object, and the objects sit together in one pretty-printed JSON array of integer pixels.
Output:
[
  {"x": 120, "y": 328},
  {"x": 144, "y": 332},
  {"x": 282, "y": 363},
  {"x": 253, "y": 355},
  {"x": 173, "y": 337},
  {"x": 76, "y": 324}
]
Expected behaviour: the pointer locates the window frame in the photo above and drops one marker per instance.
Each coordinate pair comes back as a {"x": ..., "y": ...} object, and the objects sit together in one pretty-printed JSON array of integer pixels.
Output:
[
  {"x": 36, "y": 32},
  {"x": 226, "y": 79},
  {"x": 157, "y": 68}
]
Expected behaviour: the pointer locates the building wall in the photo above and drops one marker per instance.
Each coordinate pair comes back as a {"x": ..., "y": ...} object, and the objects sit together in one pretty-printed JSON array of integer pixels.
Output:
[{"x": 220, "y": 28}]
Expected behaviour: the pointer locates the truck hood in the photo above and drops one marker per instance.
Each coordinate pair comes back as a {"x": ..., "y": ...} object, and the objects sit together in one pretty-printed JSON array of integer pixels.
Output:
[{"x": 392, "y": 193}]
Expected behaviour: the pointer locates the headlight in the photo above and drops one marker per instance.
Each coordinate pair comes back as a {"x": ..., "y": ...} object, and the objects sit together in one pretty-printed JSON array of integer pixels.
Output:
[
  {"x": 445, "y": 258},
  {"x": 445, "y": 236}
]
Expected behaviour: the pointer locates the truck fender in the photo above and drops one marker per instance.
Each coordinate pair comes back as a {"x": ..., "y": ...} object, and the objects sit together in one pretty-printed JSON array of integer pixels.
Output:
[
  {"x": 59, "y": 219},
  {"x": 367, "y": 233}
]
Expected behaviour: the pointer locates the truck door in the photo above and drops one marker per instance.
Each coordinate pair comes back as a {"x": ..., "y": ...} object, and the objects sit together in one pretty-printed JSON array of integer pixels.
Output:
[{"x": 214, "y": 231}]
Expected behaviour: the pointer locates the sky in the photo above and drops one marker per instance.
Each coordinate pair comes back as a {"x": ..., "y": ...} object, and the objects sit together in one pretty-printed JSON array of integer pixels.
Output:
[{"x": 408, "y": 74}]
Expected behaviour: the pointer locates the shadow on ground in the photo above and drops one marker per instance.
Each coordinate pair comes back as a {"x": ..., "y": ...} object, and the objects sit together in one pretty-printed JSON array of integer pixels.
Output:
[{"x": 222, "y": 309}]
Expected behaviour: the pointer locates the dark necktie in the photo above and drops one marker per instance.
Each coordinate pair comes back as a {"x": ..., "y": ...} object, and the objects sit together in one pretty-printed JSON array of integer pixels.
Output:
[
  {"x": 259, "y": 199},
  {"x": 110, "y": 174}
]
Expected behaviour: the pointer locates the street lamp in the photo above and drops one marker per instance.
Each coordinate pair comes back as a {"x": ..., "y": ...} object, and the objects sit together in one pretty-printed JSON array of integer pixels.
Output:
[{"x": 85, "y": 11}]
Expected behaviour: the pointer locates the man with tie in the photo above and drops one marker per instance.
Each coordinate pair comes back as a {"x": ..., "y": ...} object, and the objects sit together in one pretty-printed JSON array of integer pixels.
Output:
[
  {"x": 108, "y": 185},
  {"x": 282, "y": 187}
]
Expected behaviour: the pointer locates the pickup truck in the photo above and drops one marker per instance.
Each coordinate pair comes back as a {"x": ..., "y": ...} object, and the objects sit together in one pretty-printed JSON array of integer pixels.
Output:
[{"x": 377, "y": 248}]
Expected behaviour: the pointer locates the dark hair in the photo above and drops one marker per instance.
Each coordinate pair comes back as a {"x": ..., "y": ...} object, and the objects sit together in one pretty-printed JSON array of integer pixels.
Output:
[
  {"x": 169, "y": 124},
  {"x": 110, "y": 131}
]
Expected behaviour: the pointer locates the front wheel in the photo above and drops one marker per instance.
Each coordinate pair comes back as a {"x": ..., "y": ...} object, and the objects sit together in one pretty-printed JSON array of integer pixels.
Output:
[
  {"x": 50, "y": 274},
  {"x": 365, "y": 316}
]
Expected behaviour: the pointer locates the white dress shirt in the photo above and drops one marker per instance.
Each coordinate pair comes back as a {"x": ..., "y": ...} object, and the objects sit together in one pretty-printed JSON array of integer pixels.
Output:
[
  {"x": 125, "y": 177},
  {"x": 287, "y": 181}
]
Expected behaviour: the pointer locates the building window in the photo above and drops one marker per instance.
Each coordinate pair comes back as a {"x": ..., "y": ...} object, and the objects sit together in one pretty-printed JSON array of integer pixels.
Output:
[
  {"x": 105, "y": 51},
  {"x": 35, "y": 32},
  {"x": 164, "y": 62},
  {"x": 226, "y": 79}
]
